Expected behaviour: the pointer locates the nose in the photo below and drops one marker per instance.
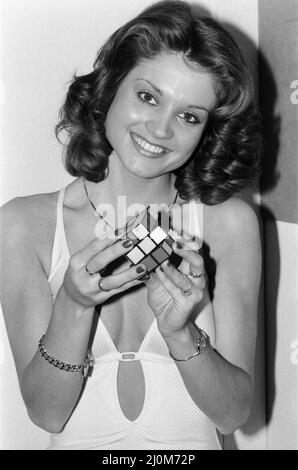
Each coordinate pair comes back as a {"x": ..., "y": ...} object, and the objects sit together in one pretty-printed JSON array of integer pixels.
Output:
[{"x": 159, "y": 125}]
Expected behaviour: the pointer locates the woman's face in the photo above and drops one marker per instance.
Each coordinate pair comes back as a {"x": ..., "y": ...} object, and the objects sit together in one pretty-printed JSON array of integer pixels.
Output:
[{"x": 158, "y": 115}]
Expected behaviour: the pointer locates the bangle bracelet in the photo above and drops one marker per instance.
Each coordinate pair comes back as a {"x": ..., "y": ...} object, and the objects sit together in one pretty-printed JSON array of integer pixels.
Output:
[
  {"x": 201, "y": 343},
  {"x": 83, "y": 368}
]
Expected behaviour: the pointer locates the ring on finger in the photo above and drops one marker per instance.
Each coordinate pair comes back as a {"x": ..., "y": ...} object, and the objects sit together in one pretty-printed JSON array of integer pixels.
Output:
[
  {"x": 186, "y": 292},
  {"x": 195, "y": 275},
  {"x": 89, "y": 272}
]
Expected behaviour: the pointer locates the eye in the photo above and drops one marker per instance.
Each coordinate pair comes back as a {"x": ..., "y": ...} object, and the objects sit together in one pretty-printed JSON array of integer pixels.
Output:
[
  {"x": 146, "y": 97},
  {"x": 190, "y": 118}
]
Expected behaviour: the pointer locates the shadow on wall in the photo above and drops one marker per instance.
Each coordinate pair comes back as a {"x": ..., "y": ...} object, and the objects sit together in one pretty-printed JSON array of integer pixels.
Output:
[
  {"x": 269, "y": 180},
  {"x": 267, "y": 91},
  {"x": 268, "y": 96}
]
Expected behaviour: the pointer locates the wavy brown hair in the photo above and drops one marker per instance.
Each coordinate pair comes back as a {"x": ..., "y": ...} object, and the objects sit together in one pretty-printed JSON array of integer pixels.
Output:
[{"x": 227, "y": 159}]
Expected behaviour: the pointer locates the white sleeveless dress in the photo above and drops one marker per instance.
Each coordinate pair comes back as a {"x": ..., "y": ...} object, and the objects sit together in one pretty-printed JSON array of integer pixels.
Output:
[{"x": 169, "y": 418}]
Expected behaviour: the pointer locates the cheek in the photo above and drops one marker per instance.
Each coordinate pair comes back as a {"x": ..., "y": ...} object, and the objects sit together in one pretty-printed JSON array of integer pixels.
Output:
[
  {"x": 135, "y": 115},
  {"x": 190, "y": 141},
  {"x": 122, "y": 118}
]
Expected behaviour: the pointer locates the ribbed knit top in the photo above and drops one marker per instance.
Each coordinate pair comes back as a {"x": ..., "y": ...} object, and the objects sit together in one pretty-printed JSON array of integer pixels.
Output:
[{"x": 169, "y": 418}]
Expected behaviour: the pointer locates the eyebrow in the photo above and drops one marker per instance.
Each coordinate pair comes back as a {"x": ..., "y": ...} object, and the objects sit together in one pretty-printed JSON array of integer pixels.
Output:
[{"x": 158, "y": 90}]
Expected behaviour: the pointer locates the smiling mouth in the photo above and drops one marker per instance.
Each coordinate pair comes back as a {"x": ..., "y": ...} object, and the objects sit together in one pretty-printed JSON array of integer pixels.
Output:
[{"x": 148, "y": 147}]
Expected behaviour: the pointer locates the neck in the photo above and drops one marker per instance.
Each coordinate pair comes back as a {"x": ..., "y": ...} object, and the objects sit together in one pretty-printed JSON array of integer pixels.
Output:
[{"x": 120, "y": 183}]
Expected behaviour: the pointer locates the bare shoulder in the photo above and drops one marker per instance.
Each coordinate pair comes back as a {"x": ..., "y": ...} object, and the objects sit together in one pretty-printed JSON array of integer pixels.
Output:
[
  {"x": 21, "y": 212},
  {"x": 29, "y": 219},
  {"x": 230, "y": 224}
]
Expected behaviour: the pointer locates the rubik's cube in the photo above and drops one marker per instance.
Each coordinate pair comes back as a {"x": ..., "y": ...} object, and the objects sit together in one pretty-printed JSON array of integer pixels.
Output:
[{"x": 153, "y": 238}]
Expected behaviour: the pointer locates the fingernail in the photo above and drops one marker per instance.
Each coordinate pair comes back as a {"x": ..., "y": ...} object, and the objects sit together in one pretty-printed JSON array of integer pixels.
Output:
[
  {"x": 161, "y": 268},
  {"x": 168, "y": 263},
  {"x": 127, "y": 244},
  {"x": 146, "y": 277},
  {"x": 179, "y": 245},
  {"x": 118, "y": 231},
  {"x": 140, "y": 269}
]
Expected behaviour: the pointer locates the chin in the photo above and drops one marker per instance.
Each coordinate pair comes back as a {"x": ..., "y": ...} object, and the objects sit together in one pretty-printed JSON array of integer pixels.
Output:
[
  {"x": 144, "y": 168},
  {"x": 142, "y": 173}
]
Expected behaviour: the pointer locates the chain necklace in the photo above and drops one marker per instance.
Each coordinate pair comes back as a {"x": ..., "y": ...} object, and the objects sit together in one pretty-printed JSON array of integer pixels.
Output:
[
  {"x": 96, "y": 211},
  {"x": 94, "y": 208}
]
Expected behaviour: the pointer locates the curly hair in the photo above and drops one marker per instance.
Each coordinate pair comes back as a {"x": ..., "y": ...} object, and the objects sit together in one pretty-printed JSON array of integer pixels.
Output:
[{"x": 227, "y": 158}]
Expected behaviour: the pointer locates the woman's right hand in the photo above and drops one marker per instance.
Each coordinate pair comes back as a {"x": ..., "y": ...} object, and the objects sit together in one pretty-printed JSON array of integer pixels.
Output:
[{"x": 82, "y": 287}]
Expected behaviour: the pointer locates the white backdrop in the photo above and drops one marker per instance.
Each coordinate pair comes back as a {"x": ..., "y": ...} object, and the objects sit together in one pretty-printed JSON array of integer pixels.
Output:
[{"x": 43, "y": 44}]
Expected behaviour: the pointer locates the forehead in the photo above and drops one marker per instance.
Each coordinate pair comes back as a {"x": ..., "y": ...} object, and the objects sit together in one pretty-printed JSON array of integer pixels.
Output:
[{"x": 177, "y": 79}]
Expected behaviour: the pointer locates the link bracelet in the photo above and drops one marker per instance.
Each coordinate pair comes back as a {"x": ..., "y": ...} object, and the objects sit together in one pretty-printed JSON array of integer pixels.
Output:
[{"x": 83, "y": 368}]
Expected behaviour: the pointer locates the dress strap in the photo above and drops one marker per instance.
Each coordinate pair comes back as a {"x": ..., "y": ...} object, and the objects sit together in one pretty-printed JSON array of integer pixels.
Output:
[
  {"x": 60, "y": 222},
  {"x": 132, "y": 356},
  {"x": 60, "y": 249}
]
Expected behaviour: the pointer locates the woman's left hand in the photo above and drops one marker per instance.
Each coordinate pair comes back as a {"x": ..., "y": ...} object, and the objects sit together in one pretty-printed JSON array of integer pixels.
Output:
[{"x": 173, "y": 294}]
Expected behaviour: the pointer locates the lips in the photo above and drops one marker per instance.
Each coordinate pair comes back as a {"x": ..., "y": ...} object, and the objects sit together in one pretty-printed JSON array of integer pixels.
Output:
[{"x": 149, "y": 147}]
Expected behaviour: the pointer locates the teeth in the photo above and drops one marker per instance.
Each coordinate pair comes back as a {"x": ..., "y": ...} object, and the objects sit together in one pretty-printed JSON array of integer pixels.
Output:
[{"x": 146, "y": 146}]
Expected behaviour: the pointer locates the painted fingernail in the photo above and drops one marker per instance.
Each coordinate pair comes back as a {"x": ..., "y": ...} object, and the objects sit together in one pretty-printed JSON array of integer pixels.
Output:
[
  {"x": 161, "y": 268},
  {"x": 179, "y": 245},
  {"x": 146, "y": 277},
  {"x": 168, "y": 263},
  {"x": 118, "y": 231},
  {"x": 127, "y": 244},
  {"x": 140, "y": 269}
]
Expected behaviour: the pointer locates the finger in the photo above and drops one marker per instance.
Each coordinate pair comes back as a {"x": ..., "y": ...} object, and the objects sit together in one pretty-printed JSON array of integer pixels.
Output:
[
  {"x": 108, "y": 293},
  {"x": 117, "y": 280},
  {"x": 92, "y": 248},
  {"x": 168, "y": 284},
  {"x": 185, "y": 282},
  {"x": 176, "y": 276},
  {"x": 109, "y": 254},
  {"x": 190, "y": 256}
]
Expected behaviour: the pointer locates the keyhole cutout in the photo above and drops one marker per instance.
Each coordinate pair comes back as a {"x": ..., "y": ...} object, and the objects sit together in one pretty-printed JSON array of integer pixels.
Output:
[{"x": 131, "y": 389}]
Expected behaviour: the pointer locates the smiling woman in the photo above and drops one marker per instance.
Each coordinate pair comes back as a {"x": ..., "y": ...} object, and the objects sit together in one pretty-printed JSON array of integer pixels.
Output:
[{"x": 167, "y": 115}]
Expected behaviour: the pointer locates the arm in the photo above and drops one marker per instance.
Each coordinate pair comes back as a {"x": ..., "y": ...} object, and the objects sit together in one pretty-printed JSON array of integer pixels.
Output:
[
  {"x": 220, "y": 380},
  {"x": 50, "y": 394},
  {"x": 29, "y": 313}
]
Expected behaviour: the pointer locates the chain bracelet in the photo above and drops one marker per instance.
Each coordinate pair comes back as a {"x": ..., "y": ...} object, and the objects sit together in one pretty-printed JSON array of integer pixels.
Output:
[
  {"x": 201, "y": 344},
  {"x": 83, "y": 368}
]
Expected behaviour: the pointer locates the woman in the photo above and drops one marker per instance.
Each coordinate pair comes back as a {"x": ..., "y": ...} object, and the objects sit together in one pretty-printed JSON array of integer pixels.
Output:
[{"x": 167, "y": 115}]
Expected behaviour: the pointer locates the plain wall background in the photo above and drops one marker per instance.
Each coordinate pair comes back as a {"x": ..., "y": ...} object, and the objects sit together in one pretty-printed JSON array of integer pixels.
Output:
[
  {"x": 43, "y": 44},
  {"x": 278, "y": 34}
]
